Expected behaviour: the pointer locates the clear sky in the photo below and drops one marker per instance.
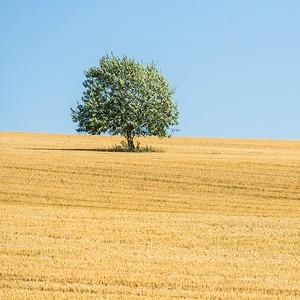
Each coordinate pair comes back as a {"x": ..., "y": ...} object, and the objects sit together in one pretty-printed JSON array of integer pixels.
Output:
[{"x": 235, "y": 65}]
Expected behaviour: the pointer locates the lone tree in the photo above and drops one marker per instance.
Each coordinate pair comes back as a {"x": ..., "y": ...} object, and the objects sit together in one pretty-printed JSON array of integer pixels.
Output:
[{"x": 128, "y": 98}]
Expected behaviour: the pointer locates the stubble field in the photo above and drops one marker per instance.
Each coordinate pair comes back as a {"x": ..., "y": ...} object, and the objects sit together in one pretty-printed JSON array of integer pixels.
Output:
[{"x": 204, "y": 219}]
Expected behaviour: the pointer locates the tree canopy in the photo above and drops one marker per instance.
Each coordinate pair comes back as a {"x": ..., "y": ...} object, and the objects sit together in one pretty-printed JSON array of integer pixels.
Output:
[{"x": 128, "y": 98}]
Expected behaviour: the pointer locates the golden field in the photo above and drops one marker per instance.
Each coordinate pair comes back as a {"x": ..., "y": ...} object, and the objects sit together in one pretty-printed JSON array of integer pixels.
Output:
[{"x": 204, "y": 219}]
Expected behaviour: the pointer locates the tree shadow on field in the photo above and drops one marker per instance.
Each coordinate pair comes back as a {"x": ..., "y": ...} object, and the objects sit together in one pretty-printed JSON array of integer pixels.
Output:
[
  {"x": 112, "y": 149},
  {"x": 73, "y": 149}
]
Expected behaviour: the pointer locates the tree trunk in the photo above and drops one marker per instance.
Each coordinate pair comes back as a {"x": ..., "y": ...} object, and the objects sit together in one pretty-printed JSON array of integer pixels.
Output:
[{"x": 130, "y": 143}]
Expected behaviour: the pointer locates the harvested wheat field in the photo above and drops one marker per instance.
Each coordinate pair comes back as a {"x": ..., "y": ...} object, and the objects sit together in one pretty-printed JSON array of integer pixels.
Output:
[{"x": 204, "y": 219}]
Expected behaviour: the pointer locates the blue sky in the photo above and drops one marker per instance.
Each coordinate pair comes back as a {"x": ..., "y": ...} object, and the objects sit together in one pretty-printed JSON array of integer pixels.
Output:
[{"x": 235, "y": 64}]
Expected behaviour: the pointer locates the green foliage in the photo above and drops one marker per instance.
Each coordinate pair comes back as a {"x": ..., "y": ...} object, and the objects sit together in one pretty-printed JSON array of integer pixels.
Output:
[{"x": 125, "y": 97}]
